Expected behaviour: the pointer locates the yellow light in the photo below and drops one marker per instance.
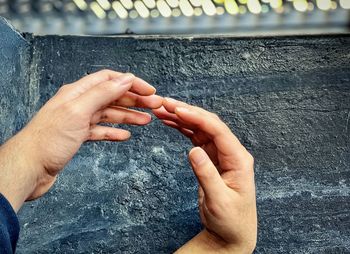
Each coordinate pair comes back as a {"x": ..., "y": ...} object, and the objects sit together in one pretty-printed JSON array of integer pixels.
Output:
[
  {"x": 81, "y": 4},
  {"x": 208, "y": 7},
  {"x": 254, "y": 6},
  {"x": 279, "y": 10},
  {"x": 163, "y": 8},
  {"x": 220, "y": 10},
  {"x": 154, "y": 13},
  {"x": 345, "y": 4},
  {"x": 196, "y": 3},
  {"x": 141, "y": 9},
  {"x": 242, "y": 9},
  {"x": 276, "y": 3},
  {"x": 219, "y": 1},
  {"x": 243, "y": 1},
  {"x": 99, "y": 12},
  {"x": 198, "y": 11},
  {"x": 173, "y": 3},
  {"x": 300, "y": 5},
  {"x": 105, "y": 4},
  {"x": 324, "y": 5},
  {"x": 176, "y": 12},
  {"x": 127, "y": 4},
  {"x": 150, "y": 3},
  {"x": 119, "y": 9},
  {"x": 310, "y": 6},
  {"x": 334, "y": 5},
  {"x": 186, "y": 8},
  {"x": 133, "y": 14},
  {"x": 231, "y": 7}
]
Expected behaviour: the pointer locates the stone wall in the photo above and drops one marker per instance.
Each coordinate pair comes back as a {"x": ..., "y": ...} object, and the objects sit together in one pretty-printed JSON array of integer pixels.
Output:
[{"x": 286, "y": 98}]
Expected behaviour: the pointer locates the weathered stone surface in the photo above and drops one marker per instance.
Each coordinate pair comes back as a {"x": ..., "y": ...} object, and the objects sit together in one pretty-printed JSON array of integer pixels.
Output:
[
  {"x": 286, "y": 98},
  {"x": 14, "y": 91}
]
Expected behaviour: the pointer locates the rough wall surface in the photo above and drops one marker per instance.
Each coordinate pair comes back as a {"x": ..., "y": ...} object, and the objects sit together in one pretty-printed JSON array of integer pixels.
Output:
[
  {"x": 286, "y": 98},
  {"x": 14, "y": 90}
]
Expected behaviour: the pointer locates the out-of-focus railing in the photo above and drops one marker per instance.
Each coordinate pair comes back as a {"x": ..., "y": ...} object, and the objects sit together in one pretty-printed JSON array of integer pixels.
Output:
[{"x": 177, "y": 16}]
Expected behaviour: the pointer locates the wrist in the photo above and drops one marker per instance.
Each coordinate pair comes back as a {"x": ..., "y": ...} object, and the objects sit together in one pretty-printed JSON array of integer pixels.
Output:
[
  {"x": 20, "y": 169},
  {"x": 219, "y": 245},
  {"x": 206, "y": 242},
  {"x": 42, "y": 180}
]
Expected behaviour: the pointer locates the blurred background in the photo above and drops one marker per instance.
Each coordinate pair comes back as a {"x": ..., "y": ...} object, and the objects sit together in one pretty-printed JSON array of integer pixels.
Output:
[{"x": 237, "y": 17}]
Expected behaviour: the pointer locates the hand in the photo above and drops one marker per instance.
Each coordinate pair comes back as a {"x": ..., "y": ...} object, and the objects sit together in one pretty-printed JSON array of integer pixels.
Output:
[
  {"x": 68, "y": 119},
  {"x": 224, "y": 169}
]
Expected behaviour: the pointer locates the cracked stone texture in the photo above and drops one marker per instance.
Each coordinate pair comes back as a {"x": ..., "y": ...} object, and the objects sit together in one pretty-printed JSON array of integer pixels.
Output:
[{"x": 286, "y": 98}]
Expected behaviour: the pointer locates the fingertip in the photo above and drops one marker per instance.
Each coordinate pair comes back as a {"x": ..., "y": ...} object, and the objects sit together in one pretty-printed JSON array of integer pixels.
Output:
[
  {"x": 156, "y": 101},
  {"x": 142, "y": 87},
  {"x": 154, "y": 89},
  {"x": 118, "y": 135},
  {"x": 198, "y": 156},
  {"x": 147, "y": 119},
  {"x": 169, "y": 104},
  {"x": 124, "y": 136}
]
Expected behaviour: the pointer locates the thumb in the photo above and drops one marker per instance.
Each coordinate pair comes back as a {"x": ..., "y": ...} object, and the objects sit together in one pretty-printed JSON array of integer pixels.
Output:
[{"x": 206, "y": 173}]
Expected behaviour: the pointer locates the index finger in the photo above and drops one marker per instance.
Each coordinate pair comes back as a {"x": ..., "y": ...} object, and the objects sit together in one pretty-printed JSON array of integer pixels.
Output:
[
  {"x": 226, "y": 142},
  {"x": 82, "y": 85},
  {"x": 104, "y": 94}
]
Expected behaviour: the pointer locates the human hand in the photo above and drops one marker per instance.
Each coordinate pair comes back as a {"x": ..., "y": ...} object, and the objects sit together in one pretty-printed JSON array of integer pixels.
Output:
[
  {"x": 224, "y": 169},
  {"x": 68, "y": 119}
]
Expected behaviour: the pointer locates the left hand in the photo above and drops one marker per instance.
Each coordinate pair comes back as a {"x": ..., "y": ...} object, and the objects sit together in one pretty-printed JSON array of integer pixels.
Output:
[
  {"x": 67, "y": 120},
  {"x": 225, "y": 172}
]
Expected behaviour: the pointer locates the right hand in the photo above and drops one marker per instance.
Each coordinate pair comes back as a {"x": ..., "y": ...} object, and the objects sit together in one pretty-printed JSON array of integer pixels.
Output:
[
  {"x": 224, "y": 169},
  {"x": 74, "y": 115}
]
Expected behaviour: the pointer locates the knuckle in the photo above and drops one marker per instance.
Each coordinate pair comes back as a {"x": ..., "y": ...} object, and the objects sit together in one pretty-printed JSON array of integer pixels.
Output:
[
  {"x": 72, "y": 109},
  {"x": 104, "y": 115},
  {"x": 63, "y": 88},
  {"x": 109, "y": 86},
  {"x": 107, "y": 136},
  {"x": 247, "y": 161},
  {"x": 250, "y": 159},
  {"x": 215, "y": 116},
  {"x": 105, "y": 71}
]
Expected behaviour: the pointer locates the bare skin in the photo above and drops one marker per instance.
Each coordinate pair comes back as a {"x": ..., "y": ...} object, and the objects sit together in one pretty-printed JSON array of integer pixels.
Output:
[
  {"x": 31, "y": 160},
  {"x": 67, "y": 120},
  {"x": 224, "y": 170}
]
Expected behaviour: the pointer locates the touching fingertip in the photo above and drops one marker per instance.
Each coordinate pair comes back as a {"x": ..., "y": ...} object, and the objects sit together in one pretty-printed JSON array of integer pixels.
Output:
[{"x": 154, "y": 89}]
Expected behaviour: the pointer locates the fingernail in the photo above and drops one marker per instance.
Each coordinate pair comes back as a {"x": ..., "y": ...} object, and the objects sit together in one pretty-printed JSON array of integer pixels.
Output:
[
  {"x": 182, "y": 110},
  {"x": 198, "y": 156},
  {"x": 124, "y": 79},
  {"x": 155, "y": 90}
]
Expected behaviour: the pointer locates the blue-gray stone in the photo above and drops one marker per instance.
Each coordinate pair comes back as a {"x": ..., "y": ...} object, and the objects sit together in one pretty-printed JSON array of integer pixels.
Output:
[{"x": 286, "y": 98}]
